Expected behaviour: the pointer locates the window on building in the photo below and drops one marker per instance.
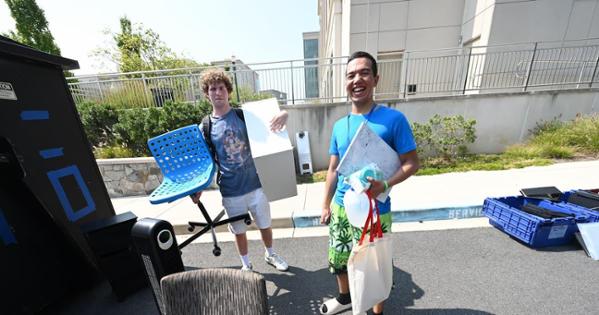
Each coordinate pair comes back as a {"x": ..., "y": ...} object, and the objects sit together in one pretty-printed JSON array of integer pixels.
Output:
[{"x": 390, "y": 72}]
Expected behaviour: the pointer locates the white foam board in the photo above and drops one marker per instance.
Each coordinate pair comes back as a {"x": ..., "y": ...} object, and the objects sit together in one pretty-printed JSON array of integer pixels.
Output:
[
  {"x": 590, "y": 236},
  {"x": 272, "y": 151}
]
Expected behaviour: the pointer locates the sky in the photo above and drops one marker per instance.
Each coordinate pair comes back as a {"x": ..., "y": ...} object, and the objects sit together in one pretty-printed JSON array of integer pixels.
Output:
[{"x": 252, "y": 31}]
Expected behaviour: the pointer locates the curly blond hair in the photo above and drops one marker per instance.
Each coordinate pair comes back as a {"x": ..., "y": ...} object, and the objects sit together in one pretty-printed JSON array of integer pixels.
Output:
[{"x": 212, "y": 76}]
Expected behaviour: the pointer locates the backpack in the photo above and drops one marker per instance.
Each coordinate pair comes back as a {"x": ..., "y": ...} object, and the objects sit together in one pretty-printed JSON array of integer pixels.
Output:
[{"x": 207, "y": 132}]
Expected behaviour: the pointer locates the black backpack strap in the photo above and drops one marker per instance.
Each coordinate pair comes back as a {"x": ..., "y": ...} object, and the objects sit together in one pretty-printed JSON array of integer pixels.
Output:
[
  {"x": 239, "y": 113},
  {"x": 207, "y": 132}
]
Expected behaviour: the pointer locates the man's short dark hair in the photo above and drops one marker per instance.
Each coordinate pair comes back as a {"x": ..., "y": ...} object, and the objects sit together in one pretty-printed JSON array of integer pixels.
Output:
[{"x": 363, "y": 54}]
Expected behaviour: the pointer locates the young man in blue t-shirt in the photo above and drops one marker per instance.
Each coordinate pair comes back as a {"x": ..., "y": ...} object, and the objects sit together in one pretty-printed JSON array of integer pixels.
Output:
[
  {"x": 393, "y": 127},
  {"x": 238, "y": 180}
]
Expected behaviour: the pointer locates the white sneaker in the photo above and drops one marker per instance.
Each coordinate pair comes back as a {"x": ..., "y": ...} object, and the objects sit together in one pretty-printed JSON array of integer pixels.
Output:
[
  {"x": 333, "y": 306},
  {"x": 276, "y": 261},
  {"x": 247, "y": 268}
]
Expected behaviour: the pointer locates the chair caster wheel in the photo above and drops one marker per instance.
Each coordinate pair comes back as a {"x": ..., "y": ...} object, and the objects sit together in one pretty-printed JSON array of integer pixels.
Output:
[
  {"x": 190, "y": 228},
  {"x": 247, "y": 221},
  {"x": 216, "y": 251}
]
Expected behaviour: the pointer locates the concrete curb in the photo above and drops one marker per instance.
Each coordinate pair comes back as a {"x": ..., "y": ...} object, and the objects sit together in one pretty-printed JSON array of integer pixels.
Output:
[{"x": 398, "y": 216}]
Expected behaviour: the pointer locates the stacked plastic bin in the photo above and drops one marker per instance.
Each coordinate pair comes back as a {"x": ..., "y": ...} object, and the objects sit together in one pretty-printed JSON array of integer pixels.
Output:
[{"x": 505, "y": 214}]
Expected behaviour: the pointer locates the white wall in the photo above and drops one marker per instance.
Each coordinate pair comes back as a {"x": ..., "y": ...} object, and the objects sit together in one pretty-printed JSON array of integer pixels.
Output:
[
  {"x": 544, "y": 20},
  {"x": 385, "y": 25},
  {"x": 394, "y": 25},
  {"x": 502, "y": 119}
]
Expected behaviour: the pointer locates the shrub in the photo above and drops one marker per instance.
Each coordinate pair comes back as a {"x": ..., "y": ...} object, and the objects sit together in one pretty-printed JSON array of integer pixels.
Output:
[
  {"x": 137, "y": 125},
  {"x": 545, "y": 126},
  {"x": 130, "y": 129},
  {"x": 98, "y": 122},
  {"x": 445, "y": 137},
  {"x": 112, "y": 152}
]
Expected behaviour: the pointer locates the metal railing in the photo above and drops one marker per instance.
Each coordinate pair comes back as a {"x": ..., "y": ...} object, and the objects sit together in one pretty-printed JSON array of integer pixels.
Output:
[{"x": 469, "y": 70}]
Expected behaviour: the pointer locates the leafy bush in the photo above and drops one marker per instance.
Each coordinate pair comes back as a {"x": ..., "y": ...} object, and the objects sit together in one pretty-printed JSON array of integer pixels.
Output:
[
  {"x": 547, "y": 126},
  {"x": 137, "y": 125},
  {"x": 445, "y": 137},
  {"x": 112, "y": 152},
  {"x": 130, "y": 130},
  {"x": 98, "y": 122}
]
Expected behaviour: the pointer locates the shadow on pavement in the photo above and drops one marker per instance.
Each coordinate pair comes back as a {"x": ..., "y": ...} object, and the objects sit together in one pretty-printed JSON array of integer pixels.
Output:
[{"x": 302, "y": 292}]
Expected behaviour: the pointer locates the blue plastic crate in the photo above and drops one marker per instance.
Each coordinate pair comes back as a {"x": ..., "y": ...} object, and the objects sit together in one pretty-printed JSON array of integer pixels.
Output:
[
  {"x": 505, "y": 214},
  {"x": 583, "y": 215}
]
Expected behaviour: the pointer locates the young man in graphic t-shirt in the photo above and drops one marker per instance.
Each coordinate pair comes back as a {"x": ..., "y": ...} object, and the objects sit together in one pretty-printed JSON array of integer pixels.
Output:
[{"x": 238, "y": 180}]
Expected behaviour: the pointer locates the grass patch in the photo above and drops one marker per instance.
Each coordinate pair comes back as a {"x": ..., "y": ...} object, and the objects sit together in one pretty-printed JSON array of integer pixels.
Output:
[
  {"x": 544, "y": 151},
  {"x": 486, "y": 162},
  {"x": 473, "y": 162},
  {"x": 580, "y": 135},
  {"x": 315, "y": 177}
]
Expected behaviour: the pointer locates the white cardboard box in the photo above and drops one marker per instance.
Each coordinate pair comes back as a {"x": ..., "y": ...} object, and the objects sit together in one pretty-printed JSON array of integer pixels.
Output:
[{"x": 272, "y": 152}]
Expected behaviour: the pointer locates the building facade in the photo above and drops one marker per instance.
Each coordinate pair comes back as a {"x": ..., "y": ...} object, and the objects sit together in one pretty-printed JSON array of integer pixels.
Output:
[{"x": 389, "y": 29}]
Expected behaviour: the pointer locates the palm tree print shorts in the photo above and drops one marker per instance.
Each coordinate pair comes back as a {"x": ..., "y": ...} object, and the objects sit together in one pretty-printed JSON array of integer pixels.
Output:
[{"x": 342, "y": 236}]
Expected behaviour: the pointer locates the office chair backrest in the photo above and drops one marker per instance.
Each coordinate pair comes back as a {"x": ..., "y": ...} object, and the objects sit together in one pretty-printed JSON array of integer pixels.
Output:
[
  {"x": 182, "y": 153},
  {"x": 215, "y": 291}
]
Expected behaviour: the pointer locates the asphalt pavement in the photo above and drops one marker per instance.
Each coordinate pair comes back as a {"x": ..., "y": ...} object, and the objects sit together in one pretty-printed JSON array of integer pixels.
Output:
[
  {"x": 447, "y": 258},
  {"x": 455, "y": 271}
]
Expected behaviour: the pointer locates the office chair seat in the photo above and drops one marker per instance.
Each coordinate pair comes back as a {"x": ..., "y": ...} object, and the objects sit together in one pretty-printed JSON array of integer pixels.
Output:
[{"x": 185, "y": 162}]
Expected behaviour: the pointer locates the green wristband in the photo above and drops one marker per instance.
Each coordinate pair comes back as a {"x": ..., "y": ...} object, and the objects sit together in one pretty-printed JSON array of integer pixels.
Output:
[{"x": 386, "y": 184}]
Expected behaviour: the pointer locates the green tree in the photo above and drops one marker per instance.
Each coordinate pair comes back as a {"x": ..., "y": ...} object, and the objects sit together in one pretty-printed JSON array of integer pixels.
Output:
[
  {"x": 31, "y": 26},
  {"x": 136, "y": 48}
]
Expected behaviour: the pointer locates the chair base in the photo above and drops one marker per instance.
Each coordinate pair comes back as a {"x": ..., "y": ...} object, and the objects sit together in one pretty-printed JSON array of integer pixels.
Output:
[{"x": 210, "y": 225}]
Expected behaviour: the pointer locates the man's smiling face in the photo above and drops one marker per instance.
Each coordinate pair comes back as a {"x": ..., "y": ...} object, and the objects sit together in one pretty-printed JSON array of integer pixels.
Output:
[{"x": 360, "y": 82}]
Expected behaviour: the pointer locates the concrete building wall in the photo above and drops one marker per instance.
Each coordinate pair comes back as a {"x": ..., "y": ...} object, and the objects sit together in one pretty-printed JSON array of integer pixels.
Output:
[
  {"x": 543, "y": 20},
  {"x": 380, "y": 26},
  {"x": 386, "y": 26},
  {"x": 502, "y": 119}
]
